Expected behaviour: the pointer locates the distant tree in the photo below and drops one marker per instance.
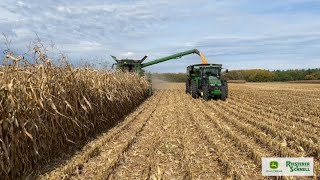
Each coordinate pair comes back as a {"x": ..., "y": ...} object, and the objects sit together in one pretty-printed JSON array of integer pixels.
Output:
[
  {"x": 171, "y": 77},
  {"x": 282, "y": 76},
  {"x": 297, "y": 74},
  {"x": 313, "y": 76},
  {"x": 258, "y": 75}
]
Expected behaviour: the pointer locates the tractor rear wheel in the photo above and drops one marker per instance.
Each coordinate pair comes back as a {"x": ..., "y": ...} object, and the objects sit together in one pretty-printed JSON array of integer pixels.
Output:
[
  {"x": 224, "y": 89},
  {"x": 187, "y": 87},
  {"x": 194, "y": 89},
  {"x": 205, "y": 91}
]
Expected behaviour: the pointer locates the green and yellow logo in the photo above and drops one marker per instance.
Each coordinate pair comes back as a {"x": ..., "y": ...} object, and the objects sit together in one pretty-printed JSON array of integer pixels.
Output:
[{"x": 274, "y": 164}]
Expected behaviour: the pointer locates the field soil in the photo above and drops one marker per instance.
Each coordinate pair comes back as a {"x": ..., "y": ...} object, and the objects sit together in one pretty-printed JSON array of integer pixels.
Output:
[{"x": 173, "y": 136}]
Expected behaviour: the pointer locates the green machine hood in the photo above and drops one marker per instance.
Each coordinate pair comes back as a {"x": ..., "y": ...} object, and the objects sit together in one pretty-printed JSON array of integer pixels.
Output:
[{"x": 214, "y": 81}]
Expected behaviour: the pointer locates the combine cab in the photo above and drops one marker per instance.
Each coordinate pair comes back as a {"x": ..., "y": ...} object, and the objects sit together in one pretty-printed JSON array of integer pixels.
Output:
[
  {"x": 129, "y": 65},
  {"x": 205, "y": 80}
]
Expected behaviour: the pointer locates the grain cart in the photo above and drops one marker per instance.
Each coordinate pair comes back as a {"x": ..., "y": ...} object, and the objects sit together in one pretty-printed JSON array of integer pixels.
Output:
[
  {"x": 132, "y": 65},
  {"x": 205, "y": 80}
]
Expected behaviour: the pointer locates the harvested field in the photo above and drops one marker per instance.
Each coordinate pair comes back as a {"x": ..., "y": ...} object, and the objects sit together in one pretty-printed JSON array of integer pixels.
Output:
[
  {"x": 172, "y": 136},
  {"x": 306, "y": 81},
  {"x": 237, "y": 81}
]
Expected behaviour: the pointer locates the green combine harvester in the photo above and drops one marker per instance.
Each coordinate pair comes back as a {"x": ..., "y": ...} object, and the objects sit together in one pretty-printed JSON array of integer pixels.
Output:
[
  {"x": 205, "y": 80},
  {"x": 131, "y": 65}
]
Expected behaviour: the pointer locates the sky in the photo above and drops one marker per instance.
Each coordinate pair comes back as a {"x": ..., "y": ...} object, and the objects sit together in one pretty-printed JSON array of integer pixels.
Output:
[{"x": 240, "y": 34}]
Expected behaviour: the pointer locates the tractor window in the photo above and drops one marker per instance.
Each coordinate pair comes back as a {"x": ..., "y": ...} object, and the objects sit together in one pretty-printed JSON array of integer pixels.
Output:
[{"x": 211, "y": 72}]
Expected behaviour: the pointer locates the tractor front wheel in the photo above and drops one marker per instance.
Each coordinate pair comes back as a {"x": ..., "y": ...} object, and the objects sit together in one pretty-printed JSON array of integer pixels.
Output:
[
  {"x": 205, "y": 91},
  {"x": 187, "y": 86},
  {"x": 194, "y": 89}
]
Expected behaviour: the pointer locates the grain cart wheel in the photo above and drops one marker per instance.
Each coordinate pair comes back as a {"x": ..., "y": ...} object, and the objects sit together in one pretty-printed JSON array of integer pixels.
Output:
[
  {"x": 206, "y": 95},
  {"x": 224, "y": 89},
  {"x": 194, "y": 89},
  {"x": 187, "y": 87}
]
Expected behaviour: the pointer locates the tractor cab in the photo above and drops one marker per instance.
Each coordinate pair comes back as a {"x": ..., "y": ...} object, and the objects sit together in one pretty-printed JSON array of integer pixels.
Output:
[
  {"x": 205, "y": 72},
  {"x": 210, "y": 71},
  {"x": 211, "y": 75}
]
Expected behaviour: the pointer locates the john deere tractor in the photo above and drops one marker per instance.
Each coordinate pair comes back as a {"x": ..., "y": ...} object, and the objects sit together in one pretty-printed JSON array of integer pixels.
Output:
[{"x": 205, "y": 80}]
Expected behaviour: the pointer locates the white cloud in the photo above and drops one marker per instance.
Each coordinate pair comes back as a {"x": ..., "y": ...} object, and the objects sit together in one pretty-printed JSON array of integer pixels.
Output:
[
  {"x": 22, "y": 33},
  {"x": 127, "y": 54},
  {"x": 21, "y": 4},
  {"x": 84, "y": 46}
]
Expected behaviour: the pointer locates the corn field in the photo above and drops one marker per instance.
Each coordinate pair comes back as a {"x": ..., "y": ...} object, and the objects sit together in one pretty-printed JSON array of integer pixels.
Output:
[
  {"x": 46, "y": 111},
  {"x": 51, "y": 116}
]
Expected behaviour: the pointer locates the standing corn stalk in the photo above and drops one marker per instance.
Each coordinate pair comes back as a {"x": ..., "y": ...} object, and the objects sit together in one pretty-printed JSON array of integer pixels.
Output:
[{"x": 45, "y": 109}]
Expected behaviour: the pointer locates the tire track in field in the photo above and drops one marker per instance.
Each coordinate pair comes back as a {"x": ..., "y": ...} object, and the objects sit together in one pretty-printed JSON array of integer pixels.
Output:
[
  {"x": 235, "y": 162},
  {"x": 138, "y": 161},
  {"x": 201, "y": 159},
  {"x": 169, "y": 159},
  {"x": 113, "y": 153},
  {"x": 75, "y": 167}
]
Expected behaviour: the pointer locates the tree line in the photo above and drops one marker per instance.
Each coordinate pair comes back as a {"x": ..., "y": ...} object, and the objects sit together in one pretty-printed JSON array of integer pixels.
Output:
[
  {"x": 260, "y": 75},
  {"x": 171, "y": 77},
  {"x": 254, "y": 75}
]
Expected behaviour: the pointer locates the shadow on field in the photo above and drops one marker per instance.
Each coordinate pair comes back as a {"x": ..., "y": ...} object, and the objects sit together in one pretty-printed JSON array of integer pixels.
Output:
[{"x": 74, "y": 149}]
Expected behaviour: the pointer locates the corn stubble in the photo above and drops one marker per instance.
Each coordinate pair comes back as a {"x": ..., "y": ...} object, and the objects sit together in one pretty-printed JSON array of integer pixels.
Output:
[
  {"x": 173, "y": 136},
  {"x": 45, "y": 110}
]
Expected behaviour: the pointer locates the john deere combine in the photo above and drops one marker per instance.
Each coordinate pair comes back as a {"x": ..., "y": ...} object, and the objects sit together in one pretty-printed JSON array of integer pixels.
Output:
[
  {"x": 132, "y": 65},
  {"x": 205, "y": 80}
]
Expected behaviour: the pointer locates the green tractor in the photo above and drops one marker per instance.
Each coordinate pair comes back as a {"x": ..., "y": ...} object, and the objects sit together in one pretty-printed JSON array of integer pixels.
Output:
[{"x": 205, "y": 80}]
